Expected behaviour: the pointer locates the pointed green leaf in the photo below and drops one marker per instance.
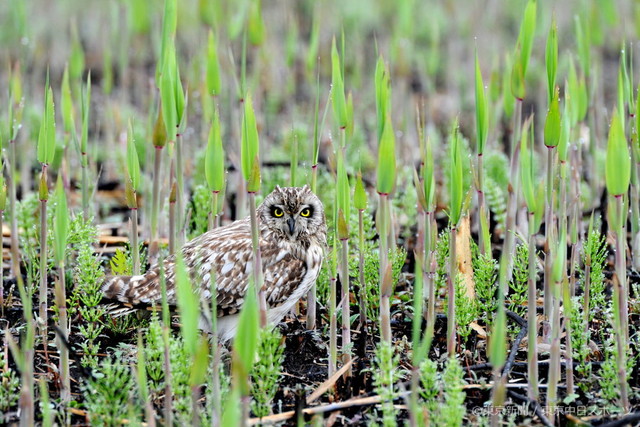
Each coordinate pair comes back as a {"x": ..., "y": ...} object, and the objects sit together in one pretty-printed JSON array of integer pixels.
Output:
[
  {"x": 518, "y": 89},
  {"x": 214, "y": 157},
  {"x": 168, "y": 93},
  {"x": 360, "y": 194},
  {"x": 337, "y": 89},
  {"x": 552, "y": 123},
  {"x": 428, "y": 177},
  {"x": 583, "y": 40},
  {"x": 245, "y": 342},
  {"x": 213, "y": 67},
  {"x": 47, "y": 134},
  {"x": 482, "y": 114},
  {"x": 188, "y": 306},
  {"x": 256, "y": 24},
  {"x": 180, "y": 99},
  {"x": 133, "y": 164},
  {"x": 387, "y": 159},
  {"x": 573, "y": 98},
  {"x": 200, "y": 363},
  {"x": 551, "y": 58},
  {"x": 250, "y": 143},
  {"x": 86, "y": 104},
  {"x": 455, "y": 177},
  {"x": 169, "y": 25},
  {"x": 618, "y": 164},
  {"x": 527, "y": 33},
  {"x": 76, "y": 59},
  {"x": 383, "y": 93},
  {"x": 67, "y": 103}
]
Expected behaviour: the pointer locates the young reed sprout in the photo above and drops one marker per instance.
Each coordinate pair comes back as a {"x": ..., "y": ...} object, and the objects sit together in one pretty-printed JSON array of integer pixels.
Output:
[
  {"x": 551, "y": 139},
  {"x": 420, "y": 342},
  {"x": 618, "y": 176},
  {"x": 16, "y": 106},
  {"x": 337, "y": 89},
  {"x": 456, "y": 196},
  {"x": 61, "y": 229},
  {"x": 360, "y": 203},
  {"x": 132, "y": 185},
  {"x": 68, "y": 114},
  {"x": 518, "y": 90},
  {"x": 386, "y": 180},
  {"x": 535, "y": 207},
  {"x": 558, "y": 275},
  {"x": 385, "y": 185},
  {"x": 343, "y": 206},
  {"x": 551, "y": 59},
  {"x": 249, "y": 154},
  {"x": 46, "y": 152},
  {"x": 482, "y": 130},
  {"x": 84, "y": 139},
  {"x": 214, "y": 82},
  {"x": 333, "y": 319},
  {"x": 214, "y": 168},
  {"x": 143, "y": 388},
  {"x": 159, "y": 140}
]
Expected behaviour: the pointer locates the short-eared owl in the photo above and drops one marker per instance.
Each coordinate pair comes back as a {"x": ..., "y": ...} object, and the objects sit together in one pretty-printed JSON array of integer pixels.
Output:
[{"x": 292, "y": 240}]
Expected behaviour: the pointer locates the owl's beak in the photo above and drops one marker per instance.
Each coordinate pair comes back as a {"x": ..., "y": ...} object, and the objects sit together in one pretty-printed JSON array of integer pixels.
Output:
[{"x": 292, "y": 225}]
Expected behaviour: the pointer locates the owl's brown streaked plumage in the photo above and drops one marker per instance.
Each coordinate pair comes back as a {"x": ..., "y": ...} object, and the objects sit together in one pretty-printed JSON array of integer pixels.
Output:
[{"x": 292, "y": 240}]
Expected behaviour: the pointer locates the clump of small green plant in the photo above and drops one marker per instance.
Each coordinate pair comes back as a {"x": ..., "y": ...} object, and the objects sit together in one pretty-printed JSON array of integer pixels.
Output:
[
  {"x": 519, "y": 282},
  {"x": 109, "y": 393},
  {"x": 580, "y": 337},
  {"x": 467, "y": 309},
  {"x": 442, "y": 394},
  {"x": 385, "y": 376},
  {"x": 594, "y": 258},
  {"x": 397, "y": 258},
  {"x": 9, "y": 386},
  {"x": 85, "y": 299},
  {"x": 452, "y": 411},
  {"x": 485, "y": 275},
  {"x": 266, "y": 371},
  {"x": 430, "y": 383}
]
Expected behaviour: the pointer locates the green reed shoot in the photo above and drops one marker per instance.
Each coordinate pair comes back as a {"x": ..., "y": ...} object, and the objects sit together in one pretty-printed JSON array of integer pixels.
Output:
[
  {"x": 360, "y": 203},
  {"x": 617, "y": 177},
  {"x": 132, "y": 185},
  {"x": 385, "y": 185},
  {"x": 343, "y": 206},
  {"x": 535, "y": 208},
  {"x": 46, "y": 151},
  {"x": 251, "y": 172},
  {"x": 482, "y": 130},
  {"x": 15, "y": 109},
  {"x": 456, "y": 195},
  {"x": 60, "y": 230},
  {"x": 214, "y": 168}
]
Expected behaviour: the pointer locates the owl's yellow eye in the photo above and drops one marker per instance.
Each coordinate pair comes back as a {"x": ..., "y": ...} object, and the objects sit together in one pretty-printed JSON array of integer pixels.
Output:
[
  {"x": 277, "y": 212},
  {"x": 306, "y": 212}
]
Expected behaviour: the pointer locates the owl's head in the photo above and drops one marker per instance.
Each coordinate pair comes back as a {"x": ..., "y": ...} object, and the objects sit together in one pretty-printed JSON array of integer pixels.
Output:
[{"x": 294, "y": 213}]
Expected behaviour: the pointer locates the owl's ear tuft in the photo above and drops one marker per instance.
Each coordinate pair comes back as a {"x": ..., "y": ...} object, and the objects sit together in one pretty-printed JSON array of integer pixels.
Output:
[
  {"x": 306, "y": 188},
  {"x": 278, "y": 189}
]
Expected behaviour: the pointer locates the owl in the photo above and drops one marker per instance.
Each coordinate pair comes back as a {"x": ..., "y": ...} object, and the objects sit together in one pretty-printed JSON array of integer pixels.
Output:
[{"x": 292, "y": 239}]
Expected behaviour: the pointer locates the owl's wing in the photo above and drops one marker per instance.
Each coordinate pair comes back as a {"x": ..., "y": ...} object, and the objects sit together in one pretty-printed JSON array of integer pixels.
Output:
[{"x": 229, "y": 251}]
